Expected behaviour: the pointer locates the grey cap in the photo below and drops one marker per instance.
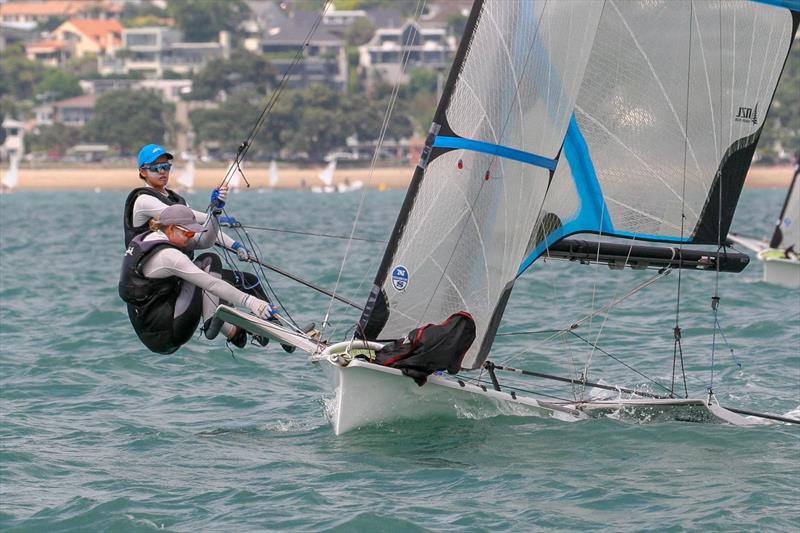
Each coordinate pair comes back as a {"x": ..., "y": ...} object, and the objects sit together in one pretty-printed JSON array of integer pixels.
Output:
[{"x": 182, "y": 216}]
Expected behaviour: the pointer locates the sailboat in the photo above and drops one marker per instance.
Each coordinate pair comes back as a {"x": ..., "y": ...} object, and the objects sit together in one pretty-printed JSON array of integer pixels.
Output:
[
  {"x": 779, "y": 256},
  {"x": 273, "y": 175},
  {"x": 634, "y": 121},
  {"x": 11, "y": 177},
  {"x": 186, "y": 178},
  {"x": 326, "y": 177}
]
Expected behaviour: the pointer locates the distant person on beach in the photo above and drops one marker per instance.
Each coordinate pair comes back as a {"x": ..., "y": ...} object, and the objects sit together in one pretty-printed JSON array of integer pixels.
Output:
[{"x": 167, "y": 293}]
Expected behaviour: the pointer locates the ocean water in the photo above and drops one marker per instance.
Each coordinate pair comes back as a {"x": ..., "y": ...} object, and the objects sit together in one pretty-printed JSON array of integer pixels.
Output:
[{"x": 97, "y": 434}]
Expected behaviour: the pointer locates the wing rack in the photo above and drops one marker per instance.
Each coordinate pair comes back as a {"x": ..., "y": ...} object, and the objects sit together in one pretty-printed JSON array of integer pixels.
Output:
[{"x": 640, "y": 256}]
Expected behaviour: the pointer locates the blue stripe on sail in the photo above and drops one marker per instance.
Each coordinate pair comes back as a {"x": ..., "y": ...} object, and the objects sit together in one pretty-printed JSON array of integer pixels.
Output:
[
  {"x": 495, "y": 149},
  {"x": 593, "y": 214},
  {"x": 790, "y": 4}
]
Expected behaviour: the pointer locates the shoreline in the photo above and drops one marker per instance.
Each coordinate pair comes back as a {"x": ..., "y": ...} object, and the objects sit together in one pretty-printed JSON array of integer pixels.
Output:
[{"x": 124, "y": 178}]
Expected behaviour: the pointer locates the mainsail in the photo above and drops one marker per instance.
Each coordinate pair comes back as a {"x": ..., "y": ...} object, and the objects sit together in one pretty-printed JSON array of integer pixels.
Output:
[
  {"x": 787, "y": 231},
  {"x": 631, "y": 119}
]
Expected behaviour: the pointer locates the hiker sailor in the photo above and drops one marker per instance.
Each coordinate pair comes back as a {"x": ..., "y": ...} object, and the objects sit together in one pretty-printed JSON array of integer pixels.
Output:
[
  {"x": 167, "y": 293},
  {"x": 144, "y": 203}
]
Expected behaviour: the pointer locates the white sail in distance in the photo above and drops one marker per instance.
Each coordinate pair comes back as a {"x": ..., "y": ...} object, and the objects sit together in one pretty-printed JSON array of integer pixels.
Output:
[
  {"x": 273, "y": 174},
  {"x": 326, "y": 175},
  {"x": 787, "y": 231},
  {"x": 608, "y": 117},
  {"x": 187, "y": 177},
  {"x": 11, "y": 176}
]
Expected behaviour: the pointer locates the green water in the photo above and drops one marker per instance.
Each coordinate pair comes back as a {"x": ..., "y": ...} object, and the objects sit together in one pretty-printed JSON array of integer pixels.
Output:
[{"x": 99, "y": 434}]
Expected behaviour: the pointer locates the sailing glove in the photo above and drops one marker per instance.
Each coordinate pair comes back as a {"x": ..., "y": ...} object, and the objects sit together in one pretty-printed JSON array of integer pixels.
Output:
[
  {"x": 261, "y": 309},
  {"x": 229, "y": 221},
  {"x": 241, "y": 251},
  {"x": 218, "y": 197}
]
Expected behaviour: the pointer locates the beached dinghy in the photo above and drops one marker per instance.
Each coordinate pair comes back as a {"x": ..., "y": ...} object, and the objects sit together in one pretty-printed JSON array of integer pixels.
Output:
[
  {"x": 780, "y": 256},
  {"x": 631, "y": 120}
]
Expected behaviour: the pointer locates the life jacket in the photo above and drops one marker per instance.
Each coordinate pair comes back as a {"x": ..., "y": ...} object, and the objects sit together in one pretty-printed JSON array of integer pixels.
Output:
[
  {"x": 132, "y": 231},
  {"x": 151, "y": 302}
]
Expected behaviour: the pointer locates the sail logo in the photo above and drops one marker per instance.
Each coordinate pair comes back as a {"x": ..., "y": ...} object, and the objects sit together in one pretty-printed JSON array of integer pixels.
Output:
[
  {"x": 747, "y": 114},
  {"x": 399, "y": 277}
]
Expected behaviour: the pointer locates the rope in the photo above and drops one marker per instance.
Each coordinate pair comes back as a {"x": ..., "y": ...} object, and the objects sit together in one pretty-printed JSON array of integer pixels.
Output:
[
  {"x": 384, "y": 126},
  {"x": 620, "y": 361},
  {"x": 273, "y": 98},
  {"x": 677, "y": 348},
  {"x": 309, "y": 233}
]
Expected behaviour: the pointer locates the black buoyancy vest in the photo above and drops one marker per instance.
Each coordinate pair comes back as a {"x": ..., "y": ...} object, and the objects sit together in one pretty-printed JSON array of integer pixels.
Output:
[
  {"x": 132, "y": 231},
  {"x": 151, "y": 302},
  {"x": 134, "y": 287}
]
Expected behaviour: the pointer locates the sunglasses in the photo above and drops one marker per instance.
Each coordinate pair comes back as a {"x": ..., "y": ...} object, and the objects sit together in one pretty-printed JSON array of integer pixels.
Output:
[
  {"x": 161, "y": 167},
  {"x": 189, "y": 233}
]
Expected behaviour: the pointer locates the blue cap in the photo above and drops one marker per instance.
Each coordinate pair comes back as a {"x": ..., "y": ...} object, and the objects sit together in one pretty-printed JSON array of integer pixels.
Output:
[{"x": 150, "y": 153}]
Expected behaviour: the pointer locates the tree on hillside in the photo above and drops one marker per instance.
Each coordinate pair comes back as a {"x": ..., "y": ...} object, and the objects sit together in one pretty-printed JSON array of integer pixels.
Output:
[
  {"x": 54, "y": 138},
  {"x": 49, "y": 24},
  {"x": 18, "y": 74},
  {"x": 58, "y": 85},
  {"x": 129, "y": 120},
  {"x": 84, "y": 67},
  {"x": 244, "y": 71},
  {"x": 229, "y": 124},
  {"x": 360, "y": 32},
  {"x": 312, "y": 121},
  {"x": 202, "y": 20}
]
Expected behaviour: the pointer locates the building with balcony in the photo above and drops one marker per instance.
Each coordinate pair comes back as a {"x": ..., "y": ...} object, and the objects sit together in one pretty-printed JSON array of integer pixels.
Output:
[
  {"x": 152, "y": 51},
  {"x": 167, "y": 90},
  {"x": 75, "y": 111},
  {"x": 50, "y": 53},
  {"x": 429, "y": 48},
  {"x": 324, "y": 58},
  {"x": 41, "y": 10},
  {"x": 90, "y": 36}
]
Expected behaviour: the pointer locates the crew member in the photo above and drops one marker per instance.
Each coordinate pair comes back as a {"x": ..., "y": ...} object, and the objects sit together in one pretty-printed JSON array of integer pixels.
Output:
[{"x": 167, "y": 293}]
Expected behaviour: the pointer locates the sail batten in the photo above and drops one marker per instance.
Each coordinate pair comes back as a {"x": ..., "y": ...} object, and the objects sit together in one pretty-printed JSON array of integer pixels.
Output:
[{"x": 506, "y": 152}]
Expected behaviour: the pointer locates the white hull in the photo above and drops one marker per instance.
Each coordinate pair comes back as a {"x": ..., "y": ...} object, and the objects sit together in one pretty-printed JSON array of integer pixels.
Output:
[
  {"x": 780, "y": 271},
  {"x": 369, "y": 394}
]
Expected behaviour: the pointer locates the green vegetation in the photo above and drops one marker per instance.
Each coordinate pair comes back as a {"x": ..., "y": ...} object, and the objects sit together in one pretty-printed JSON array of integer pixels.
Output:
[
  {"x": 244, "y": 71},
  {"x": 56, "y": 138},
  {"x": 202, "y": 20},
  {"x": 314, "y": 121},
  {"x": 129, "y": 120},
  {"x": 18, "y": 74},
  {"x": 58, "y": 85}
]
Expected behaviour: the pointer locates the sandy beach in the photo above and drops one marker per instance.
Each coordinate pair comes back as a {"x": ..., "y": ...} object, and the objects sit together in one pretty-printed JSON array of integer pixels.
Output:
[{"x": 98, "y": 176}]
